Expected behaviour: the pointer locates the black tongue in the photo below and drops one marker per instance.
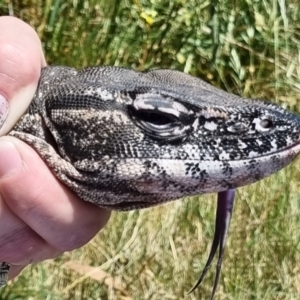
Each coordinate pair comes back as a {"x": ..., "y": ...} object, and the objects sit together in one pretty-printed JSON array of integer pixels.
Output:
[{"x": 223, "y": 217}]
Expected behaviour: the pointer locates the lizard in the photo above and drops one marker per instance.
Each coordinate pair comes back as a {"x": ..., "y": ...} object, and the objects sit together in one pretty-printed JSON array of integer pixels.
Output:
[{"x": 124, "y": 140}]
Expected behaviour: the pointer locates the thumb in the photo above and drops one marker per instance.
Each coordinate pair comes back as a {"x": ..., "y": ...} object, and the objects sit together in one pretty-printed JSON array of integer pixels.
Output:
[{"x": 21, "y": 60}]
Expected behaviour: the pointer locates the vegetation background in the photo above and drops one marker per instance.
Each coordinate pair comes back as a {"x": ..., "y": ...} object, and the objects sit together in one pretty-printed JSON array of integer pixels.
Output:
[{"x": 247, "y": 47}]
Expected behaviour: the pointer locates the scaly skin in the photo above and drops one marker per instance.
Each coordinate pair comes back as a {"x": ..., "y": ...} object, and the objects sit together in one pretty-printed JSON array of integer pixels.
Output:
[{"x": 127, "y": 140}]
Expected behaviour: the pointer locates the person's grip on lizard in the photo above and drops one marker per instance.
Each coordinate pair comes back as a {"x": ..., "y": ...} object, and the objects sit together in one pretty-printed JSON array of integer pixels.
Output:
[{"x": 39, "y": 217}]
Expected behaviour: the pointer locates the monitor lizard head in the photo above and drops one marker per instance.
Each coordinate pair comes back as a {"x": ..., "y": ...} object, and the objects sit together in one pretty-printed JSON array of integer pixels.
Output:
[
  {"x": 128, "y": 139},
  {"x": 124, "y": 140}
]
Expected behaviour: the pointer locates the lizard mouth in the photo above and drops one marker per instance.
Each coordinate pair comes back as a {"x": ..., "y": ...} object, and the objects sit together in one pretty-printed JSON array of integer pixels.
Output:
[
  {"x": 285, "y": 151},
  {"x": 129, "y": 205}
]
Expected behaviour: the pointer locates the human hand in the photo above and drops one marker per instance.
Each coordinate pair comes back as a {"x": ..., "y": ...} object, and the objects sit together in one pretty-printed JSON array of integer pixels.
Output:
[{"x": 40, "y": 218}]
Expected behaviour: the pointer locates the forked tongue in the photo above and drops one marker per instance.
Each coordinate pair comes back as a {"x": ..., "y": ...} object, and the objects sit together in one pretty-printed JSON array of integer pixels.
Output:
[{"x": 223, "y": 217}]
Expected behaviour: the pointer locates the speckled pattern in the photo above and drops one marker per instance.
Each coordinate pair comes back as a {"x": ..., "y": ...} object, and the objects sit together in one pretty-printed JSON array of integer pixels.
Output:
[{"x": 125, "y": 140}]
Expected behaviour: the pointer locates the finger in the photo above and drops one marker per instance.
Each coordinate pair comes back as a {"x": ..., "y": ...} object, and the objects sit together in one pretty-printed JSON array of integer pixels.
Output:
[
  {"x": 19, "y": 244},
  {"x": 21, "y": 60},
  {"x": 42, "y": 202},
  {"x": 15, "y": 271}
]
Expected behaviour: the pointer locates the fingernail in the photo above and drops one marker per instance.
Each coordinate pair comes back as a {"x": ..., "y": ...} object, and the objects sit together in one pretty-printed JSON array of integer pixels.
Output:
[
  {"x": 4, "y": 108},
  {"x": 10, "y": 159}
]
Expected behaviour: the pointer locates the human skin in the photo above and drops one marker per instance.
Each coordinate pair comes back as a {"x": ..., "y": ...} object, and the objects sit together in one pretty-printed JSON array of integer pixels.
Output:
[{"x": 40, "y": 218}]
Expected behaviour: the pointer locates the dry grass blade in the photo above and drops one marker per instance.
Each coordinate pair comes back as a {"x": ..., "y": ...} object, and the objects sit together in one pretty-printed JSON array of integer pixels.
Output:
[{"x": 96, "y": 274}]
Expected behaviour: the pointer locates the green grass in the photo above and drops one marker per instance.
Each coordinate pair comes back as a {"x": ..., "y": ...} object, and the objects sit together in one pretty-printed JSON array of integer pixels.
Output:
[{"x": 247, "y": 47}]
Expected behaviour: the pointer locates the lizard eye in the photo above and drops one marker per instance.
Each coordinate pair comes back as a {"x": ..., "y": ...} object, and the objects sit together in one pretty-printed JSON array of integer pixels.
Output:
[
  {"x": 160, "y": 117},
  {"x": 155, "y": 118}
]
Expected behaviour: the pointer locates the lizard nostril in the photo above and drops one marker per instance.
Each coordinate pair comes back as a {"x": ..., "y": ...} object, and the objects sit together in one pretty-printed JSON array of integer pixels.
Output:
[{"x": 265, "y": 123}]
